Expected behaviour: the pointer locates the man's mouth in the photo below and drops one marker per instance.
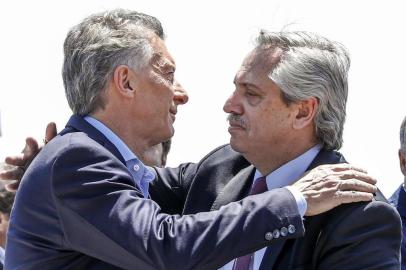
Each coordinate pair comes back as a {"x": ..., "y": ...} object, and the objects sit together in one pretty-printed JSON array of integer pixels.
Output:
[
  {"x": 173, "y": 117},
  {"x": 235, "y": 122},
  {"x": 172, "y": 111},
  {"x": 235, "y": 127}
]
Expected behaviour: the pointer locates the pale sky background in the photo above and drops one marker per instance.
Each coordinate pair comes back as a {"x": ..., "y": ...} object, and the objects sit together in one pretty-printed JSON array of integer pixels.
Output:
[{"x": 208, "y": 40}]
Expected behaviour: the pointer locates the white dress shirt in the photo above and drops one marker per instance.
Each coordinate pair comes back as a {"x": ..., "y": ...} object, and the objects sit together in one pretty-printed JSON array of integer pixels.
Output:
[{"x": 284, "y": 176}]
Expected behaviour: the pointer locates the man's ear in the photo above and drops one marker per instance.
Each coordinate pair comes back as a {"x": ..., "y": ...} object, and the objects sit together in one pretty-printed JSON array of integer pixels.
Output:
[
  {"x": 123, "y": 79},
  {"x": 402, "y": 162},
  {"x": 305, "y": 112}
]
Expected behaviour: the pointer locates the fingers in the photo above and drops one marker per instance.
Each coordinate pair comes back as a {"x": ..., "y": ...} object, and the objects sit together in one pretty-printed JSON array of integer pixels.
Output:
[
  {"x": 13, "y": 174},
  {"x": 356, "y": 175},
  {"x": 356, "y": 185},
  {"x": 354, "y": 196},
  {"x": 50, "y": 132},
  {"x": 12, "y": 186},
  {"x": 15, "y": 160},
  {"x": 30, "y": 148},
  {"x": 342, "y": 167}
]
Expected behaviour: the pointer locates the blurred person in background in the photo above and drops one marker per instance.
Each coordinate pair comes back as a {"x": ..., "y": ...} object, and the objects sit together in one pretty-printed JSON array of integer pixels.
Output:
[
  {"x": 398, "y": 199},
  {"x": 157, "y": 155},
  {"x": 6, "y": 203}
]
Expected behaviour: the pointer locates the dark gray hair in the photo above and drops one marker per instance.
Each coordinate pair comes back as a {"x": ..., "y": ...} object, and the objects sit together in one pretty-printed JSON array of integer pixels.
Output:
[
  {"x": 312, "y": 66},
  {"x": 96, "y": 46},
  {"x": 403, "y": 135}
]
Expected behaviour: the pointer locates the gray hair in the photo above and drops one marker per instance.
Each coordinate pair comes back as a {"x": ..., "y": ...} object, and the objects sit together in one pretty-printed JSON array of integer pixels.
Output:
[
  {"x": 312, "y": 66},
  {"x": 96, "y": 46},
  {"x": 403, "y": 135}
]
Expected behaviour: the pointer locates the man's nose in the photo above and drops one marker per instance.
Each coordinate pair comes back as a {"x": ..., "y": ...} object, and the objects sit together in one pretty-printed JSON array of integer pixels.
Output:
[
  {"x": 232, "y": 104},
  {"x": 180, "y": 95}
]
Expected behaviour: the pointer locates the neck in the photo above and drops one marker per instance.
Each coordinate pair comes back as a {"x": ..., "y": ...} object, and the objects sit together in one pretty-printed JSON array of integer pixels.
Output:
[
  {"x": 3, "y": 241},
  {"x": 131, "y": 137},
  {"x": 268, "y": 161}
]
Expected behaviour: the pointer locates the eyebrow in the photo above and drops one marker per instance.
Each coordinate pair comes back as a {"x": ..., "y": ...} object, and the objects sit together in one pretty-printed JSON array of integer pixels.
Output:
[
  {"x": 163, "y": 61},
  {"x": 245, "y": 84}
]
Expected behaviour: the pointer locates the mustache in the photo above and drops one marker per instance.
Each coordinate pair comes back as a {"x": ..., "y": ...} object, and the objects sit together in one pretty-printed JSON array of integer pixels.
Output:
[{"x": 236, "y": 120}]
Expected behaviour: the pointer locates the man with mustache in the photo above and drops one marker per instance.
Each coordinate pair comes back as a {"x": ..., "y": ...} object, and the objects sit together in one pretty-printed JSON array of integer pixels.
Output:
[
  {"x": 286, "y": 116},
  {"x": 398, "y": 198}
]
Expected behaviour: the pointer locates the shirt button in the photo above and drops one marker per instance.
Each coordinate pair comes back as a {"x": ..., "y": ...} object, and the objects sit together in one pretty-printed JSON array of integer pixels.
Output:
[
  {"x": 136, "y": 167},
  {"x": 276, "y": 233},
  {"x": 284, "y": 231},
  {"x": 291, "y": 229},
  {"x": 268, "y": 236}
]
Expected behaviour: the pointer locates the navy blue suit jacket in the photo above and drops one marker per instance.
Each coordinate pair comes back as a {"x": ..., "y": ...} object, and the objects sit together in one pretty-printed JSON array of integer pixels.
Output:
[
  {"x": 398, "y": 200},
  {"x": 78, "y": 208},
  {"x": 352, "y": 236}
]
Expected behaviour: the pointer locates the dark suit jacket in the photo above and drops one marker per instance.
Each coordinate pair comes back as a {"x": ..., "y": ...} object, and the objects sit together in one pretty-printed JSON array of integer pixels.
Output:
[
  {"x": 78, "y": 208},
  {"x": 398, "y": 200},
  {"x": 351, "y": 236}
]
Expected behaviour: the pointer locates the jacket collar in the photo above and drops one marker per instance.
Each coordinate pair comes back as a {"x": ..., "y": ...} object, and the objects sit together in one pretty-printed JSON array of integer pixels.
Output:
[
  {"x": 236, "y": 189},
  {"x": 398, "y": 200},
  {"x": 76, "y": 123}
]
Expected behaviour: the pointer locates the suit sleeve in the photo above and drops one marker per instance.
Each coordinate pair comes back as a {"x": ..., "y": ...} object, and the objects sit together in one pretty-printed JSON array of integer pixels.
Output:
[
  {"x": 104, "y": 216},
  {"x": 368, "y": 236},
  {"x": 170, "y": 188}
]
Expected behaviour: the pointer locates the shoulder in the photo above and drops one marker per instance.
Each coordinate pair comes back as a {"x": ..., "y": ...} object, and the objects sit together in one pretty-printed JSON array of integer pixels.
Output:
[
  {"x": 75, "y": 155},
  {"x": 364, "y": 215},
  {"x": 75, "y": 147}
]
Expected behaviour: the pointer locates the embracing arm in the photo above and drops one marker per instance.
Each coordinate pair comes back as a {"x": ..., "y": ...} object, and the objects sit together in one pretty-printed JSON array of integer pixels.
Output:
[{"x": 119, "y": 227}]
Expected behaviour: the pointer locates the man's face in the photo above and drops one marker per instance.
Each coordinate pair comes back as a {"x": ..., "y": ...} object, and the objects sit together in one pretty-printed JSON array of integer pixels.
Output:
[
  {"x": 259, "y": 119},
  {"x": 402, "y": 161},
  {"x": 158, "y": 95}
]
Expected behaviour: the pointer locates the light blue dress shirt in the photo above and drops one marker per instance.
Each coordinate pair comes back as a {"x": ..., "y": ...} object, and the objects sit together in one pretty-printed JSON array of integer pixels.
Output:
[
  {"x": 284, "y": 176},
  {"x": 2, "y": 256},
  {"x": 141, "y": 174}
]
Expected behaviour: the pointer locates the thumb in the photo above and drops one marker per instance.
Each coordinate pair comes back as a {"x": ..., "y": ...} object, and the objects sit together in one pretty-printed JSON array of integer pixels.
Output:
[{"x": 50, "y": 132}]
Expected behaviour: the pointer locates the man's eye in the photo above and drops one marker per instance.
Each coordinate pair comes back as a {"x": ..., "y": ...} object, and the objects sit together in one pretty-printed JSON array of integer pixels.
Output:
[
  {"x": 251, "y": 94},
  {"x": 253, "y": 98},
  {"x": 170, "y": 76}
]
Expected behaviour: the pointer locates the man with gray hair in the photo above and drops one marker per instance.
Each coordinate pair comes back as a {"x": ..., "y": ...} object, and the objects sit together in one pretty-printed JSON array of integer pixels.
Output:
[
  {"x": 286, "y": 116},
  {"x": 398, "y": 199},
  {"x": 84, "y": 201}
]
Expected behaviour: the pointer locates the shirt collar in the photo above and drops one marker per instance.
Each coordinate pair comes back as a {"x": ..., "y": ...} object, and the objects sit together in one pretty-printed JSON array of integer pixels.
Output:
[
  {"x": 142, "y": 175},
  {"x": 125, "y": 152},
  {"x": 289, "y": 172}
]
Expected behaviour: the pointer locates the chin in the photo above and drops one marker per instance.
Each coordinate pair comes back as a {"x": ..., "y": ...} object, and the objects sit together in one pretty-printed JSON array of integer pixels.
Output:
[
  {"x": 236, "y": 145},
  {"x": 169, "y": 134}
]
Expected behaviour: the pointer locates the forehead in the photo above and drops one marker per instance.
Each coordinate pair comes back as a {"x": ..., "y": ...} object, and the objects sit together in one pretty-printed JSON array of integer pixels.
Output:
[
  {"x": 161, "y": 55},
  {"x": 259, "y": 63}
]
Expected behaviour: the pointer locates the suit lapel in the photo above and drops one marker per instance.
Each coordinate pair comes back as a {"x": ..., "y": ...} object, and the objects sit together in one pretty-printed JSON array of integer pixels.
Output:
[{"x": 236, "y": 189}]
